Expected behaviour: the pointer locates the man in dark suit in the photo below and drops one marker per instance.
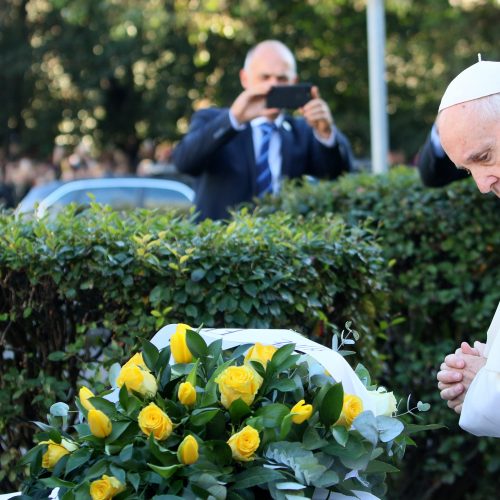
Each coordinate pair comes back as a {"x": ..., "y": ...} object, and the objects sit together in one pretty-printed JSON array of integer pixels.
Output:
[
  {"x": 435, "y": 167},
  {"x": 225, "y": 147}
]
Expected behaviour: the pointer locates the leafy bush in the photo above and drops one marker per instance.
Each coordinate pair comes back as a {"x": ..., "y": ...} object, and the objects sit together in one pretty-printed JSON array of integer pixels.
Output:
[
  {"x": 443, "y": 249},
  {"x": 84, "y": 286}
]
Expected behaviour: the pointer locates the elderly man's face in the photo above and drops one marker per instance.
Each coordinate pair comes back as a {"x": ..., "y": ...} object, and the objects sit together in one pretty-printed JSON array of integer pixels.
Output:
[{"x": 473, "y": 143}]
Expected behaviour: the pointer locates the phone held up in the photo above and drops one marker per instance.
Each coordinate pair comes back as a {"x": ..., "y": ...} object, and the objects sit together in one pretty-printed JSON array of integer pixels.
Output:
[{"x": 289, "y": 96}]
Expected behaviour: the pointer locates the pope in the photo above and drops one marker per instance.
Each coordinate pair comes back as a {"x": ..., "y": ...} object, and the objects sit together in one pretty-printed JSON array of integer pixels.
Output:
[{"x": 469, "y": 128}]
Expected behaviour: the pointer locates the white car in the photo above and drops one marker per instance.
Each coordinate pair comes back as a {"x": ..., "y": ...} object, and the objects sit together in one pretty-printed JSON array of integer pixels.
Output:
[{"x": 121, "y": 193}]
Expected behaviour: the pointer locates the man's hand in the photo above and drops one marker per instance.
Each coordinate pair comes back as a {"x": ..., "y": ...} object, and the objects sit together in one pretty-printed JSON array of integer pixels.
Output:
[
  {"x": 318, "y": 115},
  {"x": 457, "y": 372},
  {"x": 251, "y": 103}
]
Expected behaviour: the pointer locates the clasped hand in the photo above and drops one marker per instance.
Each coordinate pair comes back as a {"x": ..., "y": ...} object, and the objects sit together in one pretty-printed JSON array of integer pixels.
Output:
[{"x": 458, "y": 371}]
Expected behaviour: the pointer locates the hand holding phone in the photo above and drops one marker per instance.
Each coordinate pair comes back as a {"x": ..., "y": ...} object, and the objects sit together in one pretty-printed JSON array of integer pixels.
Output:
[{"x": 289, "y": 96}]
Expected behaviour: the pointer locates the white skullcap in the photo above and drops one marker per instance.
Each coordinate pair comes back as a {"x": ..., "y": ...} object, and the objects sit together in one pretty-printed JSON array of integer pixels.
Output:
[{"x": 479, "y": 80}]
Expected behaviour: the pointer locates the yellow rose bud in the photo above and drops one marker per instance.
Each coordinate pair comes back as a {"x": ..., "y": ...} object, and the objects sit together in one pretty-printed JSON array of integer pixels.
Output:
[
  {"x": 302, "y": 412},
  {"x": 352, "y": 406},
  {"x": 84, "y": 395},
  {"x": 238, "y": 382},
  {"x": 178, "y": 345},
  {"x": 244, "y": 444},
  {"x": 153, "y": 420},
  {"x": 99, "y": 423},
  {"x": 105, "y": 488},
  {"x": 261, "y": 353},
  {"x": 136, "y": 360},
  {"x": 187, "y": 394},
  {"x": 53, "y": 454},
  {"x": 137, "y": 379},
  {"x": 187, "y": 453}
]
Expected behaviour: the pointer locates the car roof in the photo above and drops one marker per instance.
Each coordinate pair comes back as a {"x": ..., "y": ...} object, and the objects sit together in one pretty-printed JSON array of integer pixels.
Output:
[{"x": 46, "y": 194}]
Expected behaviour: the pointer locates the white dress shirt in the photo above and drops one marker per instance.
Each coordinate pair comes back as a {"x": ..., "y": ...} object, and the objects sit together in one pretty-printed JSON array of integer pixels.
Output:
[{"x": 274, "y": 158}]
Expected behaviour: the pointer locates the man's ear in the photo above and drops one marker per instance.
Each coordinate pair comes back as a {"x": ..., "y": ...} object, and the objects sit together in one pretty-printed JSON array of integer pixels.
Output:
[{"x": 243, "y": 78}]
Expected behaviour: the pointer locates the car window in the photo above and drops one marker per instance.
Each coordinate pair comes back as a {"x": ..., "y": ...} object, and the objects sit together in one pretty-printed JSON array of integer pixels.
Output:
[
  {"x": 118, "y": 197},
  {"x": 161, "y": 198},
  {"x": 72, "y": 197}
]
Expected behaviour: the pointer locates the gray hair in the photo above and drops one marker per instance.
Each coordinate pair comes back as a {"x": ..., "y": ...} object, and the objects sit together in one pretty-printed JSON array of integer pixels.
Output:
[{"x": 279, "y": 46}]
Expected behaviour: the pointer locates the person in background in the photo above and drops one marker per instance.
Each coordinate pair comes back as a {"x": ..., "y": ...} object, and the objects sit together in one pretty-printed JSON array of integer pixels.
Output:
[
  {"x": 469, "y": 128},
  {"x": 435, "y": 167},
  {"x": 244, "y": 151}
]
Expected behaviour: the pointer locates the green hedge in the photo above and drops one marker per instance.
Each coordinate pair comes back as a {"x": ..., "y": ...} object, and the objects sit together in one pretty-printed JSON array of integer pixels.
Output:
[
  {"x": 443, "y": 246},
  {"x": 86, "y": 285}
]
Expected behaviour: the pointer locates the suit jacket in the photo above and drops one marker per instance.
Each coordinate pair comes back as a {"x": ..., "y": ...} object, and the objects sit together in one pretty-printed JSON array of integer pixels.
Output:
[
  {"x": 437, "y": 171},
  {"x": 223, "y": 160}
]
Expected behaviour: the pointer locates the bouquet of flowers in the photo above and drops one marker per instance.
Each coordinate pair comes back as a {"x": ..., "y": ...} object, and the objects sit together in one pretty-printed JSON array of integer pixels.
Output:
[{"x": 193, "y": 419}]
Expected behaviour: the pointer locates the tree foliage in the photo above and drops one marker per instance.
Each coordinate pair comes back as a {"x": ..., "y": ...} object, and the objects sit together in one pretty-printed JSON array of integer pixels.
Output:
[{"x": 115, "y": 72}]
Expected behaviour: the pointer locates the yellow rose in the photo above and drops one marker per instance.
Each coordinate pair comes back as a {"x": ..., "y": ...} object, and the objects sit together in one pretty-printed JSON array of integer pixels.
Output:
[
  {"x": 136, "y": 360},
  {"x": 99, "y": 423},
  {"x": 187, "y": 453},
  {"x": 302, "y": 412},
  {"x": 153, "y": 420},
  {"x": 178, "y": 345},
  {"x": 53, "y": 454},
  {"x": 105, "y": 488},
  {"x": 84, "y": 394},
  {"x": 137, "y": 379},
  {"x": 238, "y": 382},
  {"x": 187, "y": 394},
  {"x": 244, "y": 444},
  {"x": 261, "y": 353},
  {"x": 352, "y": 406}
]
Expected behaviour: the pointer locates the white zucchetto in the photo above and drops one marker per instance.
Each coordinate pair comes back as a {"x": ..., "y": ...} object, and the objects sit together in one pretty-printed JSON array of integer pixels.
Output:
[{"x": 479, "y": 80}]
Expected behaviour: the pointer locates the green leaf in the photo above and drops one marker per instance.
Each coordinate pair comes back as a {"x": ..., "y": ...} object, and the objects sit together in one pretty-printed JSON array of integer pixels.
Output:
[
  {"x": 196, "y": 344},
  {"x": 150, "y": 353},
  {"x": 377, "y": 467},
  {"x": 167, "y": 471},
  {"x": 389, "y": 428},
  {"x": 198, "y": 274},
  {"x": 77, "y": 458},
  {"x": 104, "y": 405},
  {"x": 272, "y": 414},
  {"x": 256, "y": 476},
  {"x": 238, "y": 410},
  {"x": 119, "y": 427},
  {"x": 59, "y": 409},
  {"x": 312, "y": 440},
  {"x": 281, "y": 356},
  {"x": 202, "y": 416},
  {"x": 340, "y": 434},
  {"x": 55, "y": 482},
  {"x": 331, "y": 406},
  {"x": 366, "y": 424},
  {"x": 282, "y": 385},
  {"x": 286, "y": 426}
]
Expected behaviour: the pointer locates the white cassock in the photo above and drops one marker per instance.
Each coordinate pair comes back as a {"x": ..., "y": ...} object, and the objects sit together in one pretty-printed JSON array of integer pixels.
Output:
[{"x": 481, "y": 409}]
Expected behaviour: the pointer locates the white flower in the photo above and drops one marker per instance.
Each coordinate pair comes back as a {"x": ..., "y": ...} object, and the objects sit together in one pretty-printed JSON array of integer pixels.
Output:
[{"x": 384, "y": 402}]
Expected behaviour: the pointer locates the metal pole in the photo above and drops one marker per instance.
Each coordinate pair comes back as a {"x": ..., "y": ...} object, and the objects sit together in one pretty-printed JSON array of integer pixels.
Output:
[{"x": 378, "y": 89}]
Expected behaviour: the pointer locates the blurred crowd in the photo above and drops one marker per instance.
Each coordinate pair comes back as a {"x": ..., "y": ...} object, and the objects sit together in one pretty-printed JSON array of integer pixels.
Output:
[{"x": 20, "y": 173}]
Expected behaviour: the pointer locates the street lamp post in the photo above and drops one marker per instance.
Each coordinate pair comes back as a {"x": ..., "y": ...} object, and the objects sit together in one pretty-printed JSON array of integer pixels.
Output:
[{"x": 378, "y": 88}]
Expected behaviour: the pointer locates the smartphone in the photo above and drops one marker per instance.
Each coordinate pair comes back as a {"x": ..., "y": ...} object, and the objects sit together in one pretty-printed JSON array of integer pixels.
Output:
[{"x": 289, "y": 96}]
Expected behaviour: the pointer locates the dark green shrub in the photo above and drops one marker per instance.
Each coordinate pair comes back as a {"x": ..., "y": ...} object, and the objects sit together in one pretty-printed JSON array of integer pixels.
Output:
[
  {"x": 86, "y": 286},
  {"x": 443, "y": 246}
]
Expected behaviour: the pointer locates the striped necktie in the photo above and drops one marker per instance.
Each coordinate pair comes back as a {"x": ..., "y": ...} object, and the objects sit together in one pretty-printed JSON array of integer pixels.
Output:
[{"x": 263, "y": 172}]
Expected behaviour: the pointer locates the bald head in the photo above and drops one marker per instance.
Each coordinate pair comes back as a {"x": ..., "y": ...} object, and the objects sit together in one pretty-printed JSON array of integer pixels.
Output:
[{"x": 262, "y": 49}]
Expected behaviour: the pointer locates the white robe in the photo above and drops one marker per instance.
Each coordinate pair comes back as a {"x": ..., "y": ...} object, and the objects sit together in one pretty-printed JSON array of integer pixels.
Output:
[{"x": 481, "y": 409}]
